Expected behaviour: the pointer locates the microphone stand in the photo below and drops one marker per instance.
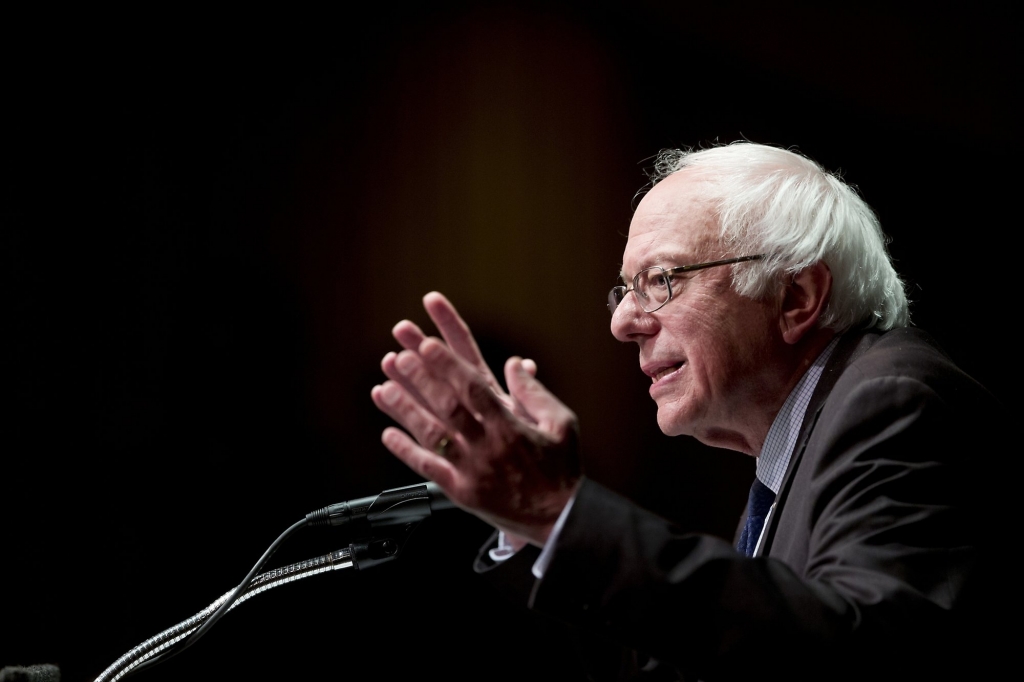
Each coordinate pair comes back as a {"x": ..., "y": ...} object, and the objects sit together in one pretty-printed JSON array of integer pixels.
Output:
[
  {"x": 173, "y": 636},
  {"x": 384, "y": 523}
]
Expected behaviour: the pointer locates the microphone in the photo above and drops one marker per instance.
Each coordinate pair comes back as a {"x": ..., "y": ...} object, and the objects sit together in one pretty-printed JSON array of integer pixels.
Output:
[
  {"x": 386, "y": 520},
  {"x": 397, "y": 506}
]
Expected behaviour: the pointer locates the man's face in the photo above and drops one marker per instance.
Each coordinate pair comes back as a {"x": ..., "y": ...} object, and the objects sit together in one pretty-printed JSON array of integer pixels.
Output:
[{"x": 709, "y": 351}]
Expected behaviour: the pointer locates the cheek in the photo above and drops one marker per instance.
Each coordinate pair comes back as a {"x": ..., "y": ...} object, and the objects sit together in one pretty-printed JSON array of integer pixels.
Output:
[
  {"x": 707, "y": 344},
  {"x": 724, "y": 349},
  {"x": 748, "y": 349}
]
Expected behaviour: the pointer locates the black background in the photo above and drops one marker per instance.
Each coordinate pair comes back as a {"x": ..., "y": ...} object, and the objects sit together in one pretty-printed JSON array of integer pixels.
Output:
[{"x": 211, "y": 222}]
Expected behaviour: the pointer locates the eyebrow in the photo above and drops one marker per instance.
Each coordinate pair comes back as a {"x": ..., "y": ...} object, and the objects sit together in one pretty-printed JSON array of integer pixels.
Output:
[{"x": 658, "y": 259}]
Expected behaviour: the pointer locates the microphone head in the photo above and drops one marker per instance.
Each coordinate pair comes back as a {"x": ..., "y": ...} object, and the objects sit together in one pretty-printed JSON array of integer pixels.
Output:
[{"x": 438, "y": 500}]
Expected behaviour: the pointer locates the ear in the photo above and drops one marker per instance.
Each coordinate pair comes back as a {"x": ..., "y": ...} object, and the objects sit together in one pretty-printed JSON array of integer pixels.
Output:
[{"x": 803, "y": 301}]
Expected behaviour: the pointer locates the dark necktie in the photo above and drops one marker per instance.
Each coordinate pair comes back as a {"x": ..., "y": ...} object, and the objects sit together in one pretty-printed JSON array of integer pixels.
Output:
[{"x": 758, "y": 504}]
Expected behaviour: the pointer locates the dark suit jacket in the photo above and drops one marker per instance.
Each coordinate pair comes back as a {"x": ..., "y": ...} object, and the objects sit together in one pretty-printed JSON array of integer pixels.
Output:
[{"x": 881, "y": 560}]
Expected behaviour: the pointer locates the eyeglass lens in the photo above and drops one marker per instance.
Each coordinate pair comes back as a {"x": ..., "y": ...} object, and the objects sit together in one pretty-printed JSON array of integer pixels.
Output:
[
  {"x": 615, "y": 297},
  {"x": 650, "y": 286},
  {"x": 653, "y": 286}
]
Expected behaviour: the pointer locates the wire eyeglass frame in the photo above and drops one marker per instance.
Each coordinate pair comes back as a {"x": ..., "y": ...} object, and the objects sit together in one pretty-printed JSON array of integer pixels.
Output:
[{"x": 662, "y": 277}]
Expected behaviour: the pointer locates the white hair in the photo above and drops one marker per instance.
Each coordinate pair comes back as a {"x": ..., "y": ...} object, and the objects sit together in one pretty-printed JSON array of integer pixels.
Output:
[{"x": 777, "y": 202}]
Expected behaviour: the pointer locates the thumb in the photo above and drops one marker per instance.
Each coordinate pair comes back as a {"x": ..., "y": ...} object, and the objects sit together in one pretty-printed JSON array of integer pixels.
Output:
[{"x": 532, "y": 400}]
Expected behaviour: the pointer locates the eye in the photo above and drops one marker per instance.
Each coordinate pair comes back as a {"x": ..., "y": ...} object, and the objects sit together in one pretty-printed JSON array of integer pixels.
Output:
[{"x": 656, "y": 280}]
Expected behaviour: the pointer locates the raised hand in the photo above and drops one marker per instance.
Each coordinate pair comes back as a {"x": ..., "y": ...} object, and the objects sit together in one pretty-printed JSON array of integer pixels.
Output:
[{"x": 510, "y": 458}]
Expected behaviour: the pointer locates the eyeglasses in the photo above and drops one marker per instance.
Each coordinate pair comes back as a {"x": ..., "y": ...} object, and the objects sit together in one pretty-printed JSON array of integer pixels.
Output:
[{"x": 653, "y": 286}]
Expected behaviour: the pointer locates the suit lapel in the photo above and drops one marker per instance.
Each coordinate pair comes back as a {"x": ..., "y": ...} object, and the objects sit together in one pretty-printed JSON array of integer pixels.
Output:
[{"x": 850, "y": 346}]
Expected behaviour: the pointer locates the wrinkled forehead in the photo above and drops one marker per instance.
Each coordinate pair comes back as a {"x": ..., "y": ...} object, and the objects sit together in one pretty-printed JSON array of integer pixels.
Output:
[{"x": 674, "y": 224}]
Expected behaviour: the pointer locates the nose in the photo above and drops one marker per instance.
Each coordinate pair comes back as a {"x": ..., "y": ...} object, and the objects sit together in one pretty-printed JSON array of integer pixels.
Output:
[{"x": 629, "y": 321}]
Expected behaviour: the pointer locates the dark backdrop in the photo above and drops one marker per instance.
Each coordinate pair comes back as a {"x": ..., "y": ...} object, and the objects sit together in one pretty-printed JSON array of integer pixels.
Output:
[{"x": 211, "y": 222}]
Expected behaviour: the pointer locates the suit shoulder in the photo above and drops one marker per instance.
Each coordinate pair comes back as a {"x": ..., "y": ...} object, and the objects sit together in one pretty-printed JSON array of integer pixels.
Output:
[{"x": 908, "y": 354}]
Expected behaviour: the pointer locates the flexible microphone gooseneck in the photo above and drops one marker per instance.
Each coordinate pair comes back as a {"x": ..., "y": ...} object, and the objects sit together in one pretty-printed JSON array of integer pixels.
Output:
[{"x": 384, "y": 522}]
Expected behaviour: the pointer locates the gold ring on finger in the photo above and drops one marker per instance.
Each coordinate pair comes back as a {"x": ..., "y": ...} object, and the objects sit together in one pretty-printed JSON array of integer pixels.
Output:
[{"x": 442, "y": 446}]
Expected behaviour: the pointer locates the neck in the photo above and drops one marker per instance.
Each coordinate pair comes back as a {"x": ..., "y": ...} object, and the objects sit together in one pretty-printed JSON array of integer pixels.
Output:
[
  {"x": 796, "y": 360},
  {"x": 806, "y": 352}
]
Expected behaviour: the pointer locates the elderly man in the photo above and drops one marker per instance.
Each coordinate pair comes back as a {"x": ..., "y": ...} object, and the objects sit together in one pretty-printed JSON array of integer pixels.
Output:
[{"x": 770, "y": 320}]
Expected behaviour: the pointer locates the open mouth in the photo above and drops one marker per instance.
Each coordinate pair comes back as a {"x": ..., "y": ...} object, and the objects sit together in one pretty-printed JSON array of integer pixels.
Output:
[{"x": 662, "y": 373}]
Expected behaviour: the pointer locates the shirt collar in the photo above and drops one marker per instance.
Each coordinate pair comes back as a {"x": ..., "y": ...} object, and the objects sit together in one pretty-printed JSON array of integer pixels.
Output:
[{"x": 781, "y": 439}]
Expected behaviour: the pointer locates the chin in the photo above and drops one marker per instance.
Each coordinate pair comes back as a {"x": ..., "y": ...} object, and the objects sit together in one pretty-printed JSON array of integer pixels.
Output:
[{"x": 672, "y": 423}]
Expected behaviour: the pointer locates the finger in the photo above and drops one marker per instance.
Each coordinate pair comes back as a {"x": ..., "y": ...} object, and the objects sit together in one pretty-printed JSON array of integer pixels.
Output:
[
  {"x": 457, "y": 334},
  {"x": 548, "y": 412},
  {"x": 391, "y": 371},
  {"x": 422, "y": 461},
  {"x": 389, "y": 366},
  {"x": 439, "y": 395},
  {"x": 469, "y": 388},
  {"x": 394, "y": 401},
  {"x": 408, "y": 334},
  {"x": 518, "y": 409}
]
